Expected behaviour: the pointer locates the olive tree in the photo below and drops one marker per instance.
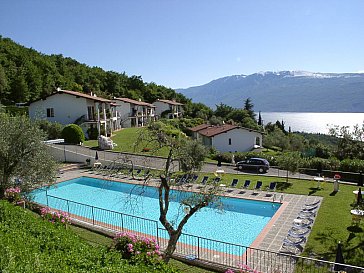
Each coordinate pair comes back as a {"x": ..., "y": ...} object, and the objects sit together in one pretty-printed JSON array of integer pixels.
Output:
[
  {"x": 290, "y": 161},
  {"x": 351, "y": 142},
  {"x": 23, "y": 155},
  {"x": 190, "y": 155}
]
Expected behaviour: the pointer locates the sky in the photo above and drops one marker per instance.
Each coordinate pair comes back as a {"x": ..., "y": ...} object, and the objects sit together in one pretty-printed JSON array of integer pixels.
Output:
[{"x": 187, "y": 43}]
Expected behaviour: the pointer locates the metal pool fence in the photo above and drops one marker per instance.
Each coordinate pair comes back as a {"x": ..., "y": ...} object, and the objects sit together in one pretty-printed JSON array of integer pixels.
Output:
[{"x": 191, "y": 247}]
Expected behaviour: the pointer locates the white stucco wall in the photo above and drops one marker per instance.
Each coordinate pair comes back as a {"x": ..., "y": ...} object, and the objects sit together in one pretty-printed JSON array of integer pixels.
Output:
[
  {"x": 67, "y": 108},
  {"x": 242, "y": 140},
  {"x": 123, "y": 109},
  {"x": 160, "y": 107}
]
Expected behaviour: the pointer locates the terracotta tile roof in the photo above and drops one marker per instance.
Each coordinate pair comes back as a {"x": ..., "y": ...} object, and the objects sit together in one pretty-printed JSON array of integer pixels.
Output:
[
  {"x": 136, "y": 102},
  {"x": 78, "y": 94},
  {"x": 213, "y": 130},
  {"x": 171, "y": 102},
  {"x": 73, "y": 93},
  {"x": 199, "y": 127}
]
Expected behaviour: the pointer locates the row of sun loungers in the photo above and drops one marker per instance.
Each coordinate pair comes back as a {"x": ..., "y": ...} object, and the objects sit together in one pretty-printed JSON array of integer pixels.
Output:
[
  {"x": 257, "y": 187},
  {"x": 119, "y": 171},
  {"x": 301, "y": 227},
  {"x": 188, "y": 179}
]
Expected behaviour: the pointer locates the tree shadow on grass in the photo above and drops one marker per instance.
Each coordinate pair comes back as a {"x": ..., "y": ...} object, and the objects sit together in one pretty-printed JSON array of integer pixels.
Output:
[
  {"x": 313, "y": 190},
  {"x": 281, "y": 186},
  {"x": 353, "y": 229},
  {"x": 352, "y": 251}
]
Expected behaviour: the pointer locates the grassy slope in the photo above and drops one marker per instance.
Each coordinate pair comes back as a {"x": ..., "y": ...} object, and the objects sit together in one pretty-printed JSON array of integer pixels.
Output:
[
  {"x": 125, "y": 140},
  {"x": 29, "y": 244},
  {"x": 98, "y": 239}
]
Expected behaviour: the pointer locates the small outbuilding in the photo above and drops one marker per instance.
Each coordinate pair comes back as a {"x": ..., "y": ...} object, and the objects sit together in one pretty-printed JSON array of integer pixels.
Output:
[{"x": 227, "y": 137}]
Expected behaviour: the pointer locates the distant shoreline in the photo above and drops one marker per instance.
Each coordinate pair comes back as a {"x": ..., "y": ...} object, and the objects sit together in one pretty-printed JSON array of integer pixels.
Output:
[{"x": 313, "y": 122}]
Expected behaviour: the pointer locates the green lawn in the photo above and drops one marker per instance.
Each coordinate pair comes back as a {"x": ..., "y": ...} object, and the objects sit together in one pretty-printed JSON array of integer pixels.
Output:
[
  {"x": 333, "y": 222},
  {"x": 125, "y": 140}
]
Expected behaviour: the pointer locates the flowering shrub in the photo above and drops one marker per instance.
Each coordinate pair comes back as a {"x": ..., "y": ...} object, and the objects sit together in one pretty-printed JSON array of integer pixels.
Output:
[
  {"x": 55, "y": 217},
  {"x": 137, "y": 248},
  {"x": 13, "y": 194}
]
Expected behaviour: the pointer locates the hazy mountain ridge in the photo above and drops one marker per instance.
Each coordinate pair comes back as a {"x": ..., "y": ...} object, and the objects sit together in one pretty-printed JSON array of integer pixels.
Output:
[{"x": 285, "y": 91}]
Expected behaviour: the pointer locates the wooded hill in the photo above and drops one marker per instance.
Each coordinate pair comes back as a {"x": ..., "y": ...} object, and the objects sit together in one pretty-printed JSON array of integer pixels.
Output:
[{"x": 27, "y": 75}]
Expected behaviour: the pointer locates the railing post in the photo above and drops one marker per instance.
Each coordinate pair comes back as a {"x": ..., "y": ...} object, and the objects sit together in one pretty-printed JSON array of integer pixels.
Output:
[
  {"x": 156, "y": 224},
  {"x": 68, "y": 207},
  {"x": 93, "y": 215},
  {"x": 122, "y": 222},
  {"x": 47, "y": 197},
  {"x": 198, "y": 247},
  {"x": 246, "y": 256}
]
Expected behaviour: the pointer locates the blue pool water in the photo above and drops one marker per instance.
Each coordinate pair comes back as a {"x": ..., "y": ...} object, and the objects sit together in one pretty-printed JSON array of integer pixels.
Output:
[{"x": 240, "y": 222}]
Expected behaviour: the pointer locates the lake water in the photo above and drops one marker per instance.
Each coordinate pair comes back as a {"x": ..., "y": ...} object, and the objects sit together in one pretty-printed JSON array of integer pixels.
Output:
[{"x": 313, "y": 122}]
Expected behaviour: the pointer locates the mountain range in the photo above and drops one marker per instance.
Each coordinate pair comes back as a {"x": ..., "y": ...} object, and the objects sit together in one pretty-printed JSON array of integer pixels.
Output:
[{"x": 285, "y": 91}]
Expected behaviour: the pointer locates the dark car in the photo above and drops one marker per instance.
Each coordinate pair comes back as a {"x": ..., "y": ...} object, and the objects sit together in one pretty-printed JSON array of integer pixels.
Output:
[{"x": 259, "y": 165}]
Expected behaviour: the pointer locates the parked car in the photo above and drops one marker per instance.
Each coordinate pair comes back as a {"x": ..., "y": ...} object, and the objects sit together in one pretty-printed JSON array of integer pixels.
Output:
[{"x": 259, "y": 165}]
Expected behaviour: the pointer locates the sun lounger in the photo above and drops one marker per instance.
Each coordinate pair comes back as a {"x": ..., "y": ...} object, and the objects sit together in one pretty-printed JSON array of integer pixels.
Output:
[
  {"x": 137, "y": 172},
  {"x": 314, "y": 204},
  {"x": 258, "y": 186},
  {"x": 306, "y": 214},
  {"x": 246, "y": 184},
  {"x": 193, "y": 179},
  {"x": 216, "y": 180},
  {"x": 298, "y": 233},
  {"x": 233, "y": 184},
  {"x": 272, "y": 186},
  {"x": 302, "y": 222},
  {"x": 181, "y": 180},
  {"x": 203, "y": 182},
  {"x": 310, "y": 208},
  {"x": 295, "y": 246}
]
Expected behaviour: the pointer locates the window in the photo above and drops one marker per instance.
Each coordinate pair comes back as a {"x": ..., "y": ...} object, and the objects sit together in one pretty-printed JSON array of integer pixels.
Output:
[
  {"x": 257, "y": 141},
  {"x": 50, "y": 112},
  {"x": 229, "y": 141},
  {"x": 91, "y": 112}
]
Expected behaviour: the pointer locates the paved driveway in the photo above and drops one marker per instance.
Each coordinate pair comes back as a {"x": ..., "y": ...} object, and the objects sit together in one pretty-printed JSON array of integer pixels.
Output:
[{"x": 76, "y": 153}]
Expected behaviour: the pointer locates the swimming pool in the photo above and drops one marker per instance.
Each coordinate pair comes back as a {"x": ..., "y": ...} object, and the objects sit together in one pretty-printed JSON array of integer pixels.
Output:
[{"x": 240, "y": 222}]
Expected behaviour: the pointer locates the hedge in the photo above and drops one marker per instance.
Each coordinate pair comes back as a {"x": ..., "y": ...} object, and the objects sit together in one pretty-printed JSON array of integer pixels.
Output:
[{"x": 73, "y": 134}]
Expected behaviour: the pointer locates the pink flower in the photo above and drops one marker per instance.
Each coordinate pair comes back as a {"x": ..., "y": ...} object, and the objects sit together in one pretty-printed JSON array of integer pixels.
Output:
[{"x": 130, "y": 247}]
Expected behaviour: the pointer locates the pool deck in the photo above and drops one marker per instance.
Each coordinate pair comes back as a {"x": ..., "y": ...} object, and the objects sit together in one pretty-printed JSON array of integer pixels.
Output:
[{"x": 275, "y": 231}]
